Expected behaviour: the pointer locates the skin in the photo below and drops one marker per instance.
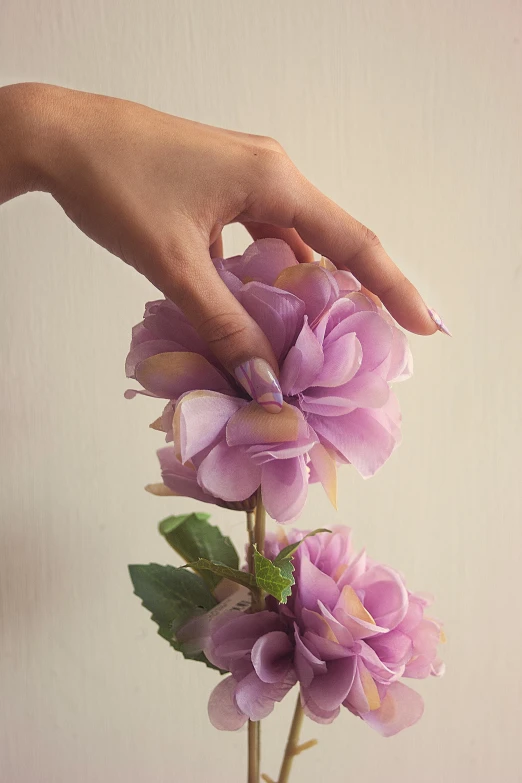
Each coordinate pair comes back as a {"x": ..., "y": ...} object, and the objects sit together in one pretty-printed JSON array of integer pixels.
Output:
[{"x": 157, "y": 190}]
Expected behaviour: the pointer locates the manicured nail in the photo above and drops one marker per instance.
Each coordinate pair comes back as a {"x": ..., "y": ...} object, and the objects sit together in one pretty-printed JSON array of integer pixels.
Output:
[
  {"x": 259, "y": 380},
  {"x": 441, "y": 326}
]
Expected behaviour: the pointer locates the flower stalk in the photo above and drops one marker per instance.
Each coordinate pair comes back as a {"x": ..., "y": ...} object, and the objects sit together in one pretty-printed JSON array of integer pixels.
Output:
[
  {"x": 292, "y": 745},
  {"x": 256, "y": 537}
]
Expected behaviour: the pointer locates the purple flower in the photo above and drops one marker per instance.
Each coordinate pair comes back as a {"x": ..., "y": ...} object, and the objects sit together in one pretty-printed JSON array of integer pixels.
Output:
[
  {"x": 349, "y": 633},
  {"x": 337, "y": 353}
]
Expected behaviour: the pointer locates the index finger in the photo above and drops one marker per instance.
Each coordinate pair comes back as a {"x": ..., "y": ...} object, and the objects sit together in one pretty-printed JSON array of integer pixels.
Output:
[{"x": 331, "y": 231}]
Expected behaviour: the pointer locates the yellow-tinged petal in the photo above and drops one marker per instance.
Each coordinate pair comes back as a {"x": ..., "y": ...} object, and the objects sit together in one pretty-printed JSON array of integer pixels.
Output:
[
  {"x": 167, "y": 374},
  {"x": 326, "y": 469},
  {"x": 351, "y": 604},
  {"x": 159, "y": 489},
  {"x": 442, "y": 637},
  {"x": 157, "y": 425},
  {"x": 263, "y": 427},
  {"x": 327, "y": 264},
  {"x": 330, "y": 635},
  {"x": 293, "y": 278},
  {"x": 370, "y": 689}
]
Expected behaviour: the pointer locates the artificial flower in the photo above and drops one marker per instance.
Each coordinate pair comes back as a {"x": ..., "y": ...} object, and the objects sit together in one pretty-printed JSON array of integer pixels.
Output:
[
  {"x": 337, "y": 352},
  {"x": 350, "y": 632}
]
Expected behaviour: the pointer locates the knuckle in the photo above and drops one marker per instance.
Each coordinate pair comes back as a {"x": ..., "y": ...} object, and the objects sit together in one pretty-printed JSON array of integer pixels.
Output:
[
  {"x": 369, "y": 238},
  {"x": 267, "y": 143},
  {"x": 221, "y": 328}
]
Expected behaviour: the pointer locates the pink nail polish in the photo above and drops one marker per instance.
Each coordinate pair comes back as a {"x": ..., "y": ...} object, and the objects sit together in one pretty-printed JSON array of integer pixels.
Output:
[
  {"x": 259, "y": 380},
  {"x": 441, "y": 326}
]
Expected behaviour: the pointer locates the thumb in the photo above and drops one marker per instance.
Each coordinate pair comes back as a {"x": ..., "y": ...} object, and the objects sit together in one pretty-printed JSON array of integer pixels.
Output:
[{"x": 191, "y": 281}]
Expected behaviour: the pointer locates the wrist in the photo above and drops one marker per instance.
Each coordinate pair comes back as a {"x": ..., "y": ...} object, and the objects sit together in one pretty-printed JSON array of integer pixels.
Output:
[{"x": 30, "y": 122}]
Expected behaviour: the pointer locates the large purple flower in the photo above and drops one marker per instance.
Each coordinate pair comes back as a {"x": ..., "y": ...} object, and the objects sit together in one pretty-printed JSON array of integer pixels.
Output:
[
  {"x": 337, "y": 353},
  {"x": 350, "y": 631}
]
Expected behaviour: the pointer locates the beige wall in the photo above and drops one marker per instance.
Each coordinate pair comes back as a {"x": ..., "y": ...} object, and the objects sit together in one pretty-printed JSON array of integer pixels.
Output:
[{"x": 409, "y": 114}]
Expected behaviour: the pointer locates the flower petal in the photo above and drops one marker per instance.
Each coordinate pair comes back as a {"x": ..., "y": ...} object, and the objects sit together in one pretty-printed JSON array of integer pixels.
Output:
[
  {"x": 330, "y": 689},
  {"x": 284, "y": 487},
  {"x": 314, "y": 586},
  {"x": 303, "y": 363},
  {"x": 228, "y": 473},
  {"x": 200, "y": 420},
  {"x": 265, "y": 259},
  {"x": 342, "y": 359},
  {"x": 170, "y": 375},
  {"x": 363, "y": 696},
  {"x": 373, "y": 332},
  {"x": 180, "y": 479},
  {"x": 143, "y": 350},
  {"x": 312, "y": 285},
  {"x": 253, "y": 425},
  {"x": 278, "y": 313},
  {"x": 358, "y": 437},
  {"x": 223, "y": 711},
  {"x": 314, "y": 712},
  {"x": 256, "y": 698},
  {"x": 271, "y": 656},
  {"x": 385, "y": 595},
  {"x": 401, "y": 707},
  {"x": 326, "y": 471}
]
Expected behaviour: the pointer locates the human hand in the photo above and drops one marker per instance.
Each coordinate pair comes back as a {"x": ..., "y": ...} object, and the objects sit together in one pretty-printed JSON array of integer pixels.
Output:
[{"x": 157, "y": 190}]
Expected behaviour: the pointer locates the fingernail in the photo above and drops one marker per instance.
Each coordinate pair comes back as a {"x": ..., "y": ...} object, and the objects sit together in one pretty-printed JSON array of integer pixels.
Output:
[
  {"x": 441, "y": 326},
  {"x": 259, "y": 380}
]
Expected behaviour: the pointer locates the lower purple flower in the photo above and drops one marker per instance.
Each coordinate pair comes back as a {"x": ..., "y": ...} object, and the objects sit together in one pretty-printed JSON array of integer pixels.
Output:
[{"x": 350, "y": 631}]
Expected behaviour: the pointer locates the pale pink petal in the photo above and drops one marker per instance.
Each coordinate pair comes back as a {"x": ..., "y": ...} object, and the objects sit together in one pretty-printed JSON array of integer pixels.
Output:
[
  {"x": 181, "y": 479},
  {"x": 314, "y": 712},
  {"x": 364, "y": 695},
  {"x": 284, "y": 486},
  {"x": 400, "y": 708},
  {"x": 385, "y": 595},
  {"x": 394, "y": 647},
  {"x": 278, "y": 313},
  {"x": 307, "y": 664},
  {"x": 256, "y": 699},
  {"x": 330, "y": 689},
  {"x": 303, "y": 363},
  {"x": 367, "y": 390},
  {"x": 326, "y": 471},
  {"x": 200, "y": 420},
  {"x": 223, "y": 711},
  {"x": 228, "y": 473},
  {"x": 358, "y": 438},
  {"x": 314, "y": 586},
  {"x": 265, "y": 259},
  {"x": 342, "y": 359},
  {"x": 346, "y": 281},
  {"x": 373, "y": 332},
  {"x": 313, "y": 285},
  {"x": 271, "y": 656}
]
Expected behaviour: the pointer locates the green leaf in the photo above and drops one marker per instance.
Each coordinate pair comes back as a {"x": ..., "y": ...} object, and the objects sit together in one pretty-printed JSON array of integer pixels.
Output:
[
  {"x": 223, "y": 571},
  {"x": 193, "y": 537},
  {"x": 288, "y": 551},
  {"x": 173, "y": 596},
  {"x": 275, "y": 579}
]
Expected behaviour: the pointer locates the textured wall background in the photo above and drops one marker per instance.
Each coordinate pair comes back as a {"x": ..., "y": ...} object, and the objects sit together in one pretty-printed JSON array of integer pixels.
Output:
[{"x": 409, "y": 114}]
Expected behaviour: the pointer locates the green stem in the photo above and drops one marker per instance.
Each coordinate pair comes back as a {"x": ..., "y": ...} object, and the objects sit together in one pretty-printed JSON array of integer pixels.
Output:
[
  {"x": 291, "y": 749},
  {"x": 254, "y": 744},
  {"x": 259, "y": 532},
  {"x": 256, "y": 536}
]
